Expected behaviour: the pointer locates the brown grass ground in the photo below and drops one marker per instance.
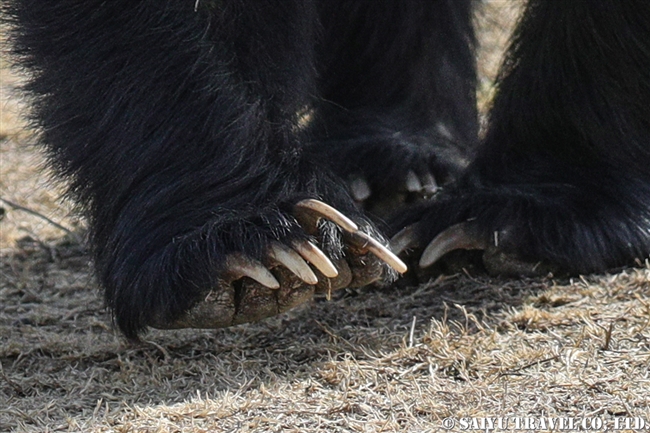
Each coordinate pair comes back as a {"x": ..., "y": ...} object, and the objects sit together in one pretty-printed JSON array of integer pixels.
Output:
[{"x": 371, "y": 360}]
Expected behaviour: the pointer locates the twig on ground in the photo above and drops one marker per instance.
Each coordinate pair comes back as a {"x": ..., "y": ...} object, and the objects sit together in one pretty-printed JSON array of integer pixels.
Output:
[{"x": 40, "y": 215}]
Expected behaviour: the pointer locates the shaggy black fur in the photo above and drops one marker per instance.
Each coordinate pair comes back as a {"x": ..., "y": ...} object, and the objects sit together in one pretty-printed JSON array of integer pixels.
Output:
[
  {"x": 563, "y": 174},
  {"x": 189, "y": 129},
  {"x": 178, "y": 129},
  {"x": 396, "y": 90}
]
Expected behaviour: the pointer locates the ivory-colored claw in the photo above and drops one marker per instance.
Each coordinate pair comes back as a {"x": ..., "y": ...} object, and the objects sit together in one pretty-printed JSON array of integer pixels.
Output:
[
  {"x": 457, "y": 237},
  {"x": 320, "y": 209},
  {"x": 360, "y": 189},
  {"x": 326, "y": 211},
  {"x": 404, "y": 239},
  {"x": 316, "y": 257},
  {"x": 429, "y": 184},
  {"x": 383, "y": 253},
  {"x": 413, "y": 184},
  {"x": 292, "y": 261},
  {"x": 239, "y": 265}
]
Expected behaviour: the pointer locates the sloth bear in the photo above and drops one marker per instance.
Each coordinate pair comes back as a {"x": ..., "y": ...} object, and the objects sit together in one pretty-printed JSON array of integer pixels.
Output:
[{"x": 229, "y": 154}]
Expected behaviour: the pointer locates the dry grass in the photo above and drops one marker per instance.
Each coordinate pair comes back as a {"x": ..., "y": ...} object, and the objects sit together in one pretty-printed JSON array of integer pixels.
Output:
[
  {"x": 23, "y": 179},
  {"x": 371, "y": 360}
]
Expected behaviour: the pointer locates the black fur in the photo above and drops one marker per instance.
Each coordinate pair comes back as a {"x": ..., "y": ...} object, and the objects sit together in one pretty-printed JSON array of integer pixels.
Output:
[
  {"x": 178, "y": 129},
  {"x": 189, "y": 129},
  {"x": 396, "y": 90},
  {"x": 563, "y": 174}
]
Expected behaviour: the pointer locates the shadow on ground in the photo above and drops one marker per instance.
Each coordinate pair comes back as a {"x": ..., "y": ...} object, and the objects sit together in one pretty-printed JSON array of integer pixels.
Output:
[{"x": 58, "y": 343}]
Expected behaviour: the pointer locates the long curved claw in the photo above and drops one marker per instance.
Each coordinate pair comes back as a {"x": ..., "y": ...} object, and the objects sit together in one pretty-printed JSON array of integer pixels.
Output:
[
  {"x": 360, "y": 189},
  {"x": 318, "y": 209},
  {"x": 404, "y": 239},
  {"x": 292, "y": 261},
  {"x": 293, "y": 281},
  {"x": 457, "y": 237},
  {"x": 369, "y": 243},
  {"x": 429, "y": 184},
  {"x": 307, "y": 210},
  {"x": 425, "y": 183},
  {"x": 413, "y": 184},
  {"x": 239, "y": 265},
  {"x": 316, "y": 257}
]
